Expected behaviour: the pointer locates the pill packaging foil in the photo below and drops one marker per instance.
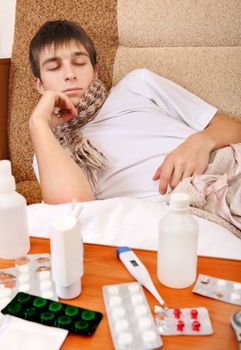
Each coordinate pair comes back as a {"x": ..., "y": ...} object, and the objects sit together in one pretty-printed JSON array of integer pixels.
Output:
[
  {"x": 184, "y": 321},
  {"x": 31, "y": 274},
  {"x": 130, "y": 319},
  {"x": 217, "y": 288}
]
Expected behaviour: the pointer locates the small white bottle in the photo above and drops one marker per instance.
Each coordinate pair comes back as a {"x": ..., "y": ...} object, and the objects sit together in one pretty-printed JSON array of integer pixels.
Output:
[
  {"x": 14, "y": 237},
  {"x": 177, "y": 248},
  {"x": 67, "y": 254}
]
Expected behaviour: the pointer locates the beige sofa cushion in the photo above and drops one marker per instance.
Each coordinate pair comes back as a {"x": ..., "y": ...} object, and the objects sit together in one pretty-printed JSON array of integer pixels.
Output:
[
  {"x": 163, "y": 23},
  {"x": 195, "y": 43}
]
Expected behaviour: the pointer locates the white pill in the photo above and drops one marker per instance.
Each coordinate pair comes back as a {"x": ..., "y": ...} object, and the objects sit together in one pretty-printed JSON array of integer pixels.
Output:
[
  {"x": 118, "y": 312},
  {"x": 24, "y": 277},
  {"x": 237, "y": 286},
  {"x": 137, "y": 299},
  {"x": 121, "y": 325},
  {"x": 221, "y": 283},
  {"x": 235, "y": 296},
  {"x": 48, "y": 294},
  {"x": 43, "y": 275},
  {"x": 145, "y": 323},
  {"x": 115, "y": 301},
  {"x": 25, "y": 287},
  {"x": 23, "y": 268},
  {"x": 134, "y": 288},
  {"x": 141, "y": 310},
  {"x": 45, "y": 285},
  {"x": 125, "y": 339},
  {"x": 149, "y": 337},
  {"x": 5, "y": 292},
  {"x": 4, "y": 302},
  {"x": 113, "y": 290}
]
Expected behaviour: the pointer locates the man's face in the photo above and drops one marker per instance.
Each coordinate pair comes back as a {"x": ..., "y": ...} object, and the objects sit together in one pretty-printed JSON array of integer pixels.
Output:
[{"x": 66, "y": 69}]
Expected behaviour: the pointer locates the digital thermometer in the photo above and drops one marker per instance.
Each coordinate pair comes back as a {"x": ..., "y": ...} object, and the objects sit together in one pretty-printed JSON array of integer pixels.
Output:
[{"x": 139, "y": 272}]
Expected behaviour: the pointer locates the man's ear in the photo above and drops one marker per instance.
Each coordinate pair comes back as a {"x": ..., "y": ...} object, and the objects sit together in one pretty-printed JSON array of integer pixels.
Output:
[{"x": 38, "y": 85}]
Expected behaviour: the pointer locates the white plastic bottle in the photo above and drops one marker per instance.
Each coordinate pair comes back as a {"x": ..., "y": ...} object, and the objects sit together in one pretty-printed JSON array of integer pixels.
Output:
[
  {"x": 14, "y": 238},
  {"x": 67, "y": 254},
  {"x": 177, "y": 248}
]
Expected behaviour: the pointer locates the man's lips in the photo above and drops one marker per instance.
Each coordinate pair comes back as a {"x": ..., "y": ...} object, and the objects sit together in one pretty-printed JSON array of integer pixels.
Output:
[{"x": 72, "y": 90}]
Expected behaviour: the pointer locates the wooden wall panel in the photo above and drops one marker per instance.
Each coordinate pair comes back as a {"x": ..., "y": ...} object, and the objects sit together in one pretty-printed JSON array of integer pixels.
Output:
[{"x": 4, "y": 78}]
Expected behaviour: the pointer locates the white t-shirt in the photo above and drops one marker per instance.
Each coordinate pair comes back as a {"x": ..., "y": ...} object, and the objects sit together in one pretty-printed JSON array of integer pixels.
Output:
[{"x": 143, "y": 119}]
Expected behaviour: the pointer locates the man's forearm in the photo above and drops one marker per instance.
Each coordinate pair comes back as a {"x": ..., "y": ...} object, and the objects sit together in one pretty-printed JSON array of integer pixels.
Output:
[
  {"x": 222, "y": 131},
  {"x": 61, "y": 179},
  {"x": 192, "y": 156}
]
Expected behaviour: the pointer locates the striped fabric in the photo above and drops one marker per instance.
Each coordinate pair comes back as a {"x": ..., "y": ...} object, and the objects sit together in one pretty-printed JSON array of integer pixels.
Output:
[{"x": 194, "y": 43}]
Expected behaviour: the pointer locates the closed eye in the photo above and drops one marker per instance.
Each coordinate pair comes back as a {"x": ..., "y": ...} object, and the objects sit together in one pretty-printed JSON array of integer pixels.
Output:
[
  {"x": 79, "y": 61},
  {"x": 52, "y": 68}
]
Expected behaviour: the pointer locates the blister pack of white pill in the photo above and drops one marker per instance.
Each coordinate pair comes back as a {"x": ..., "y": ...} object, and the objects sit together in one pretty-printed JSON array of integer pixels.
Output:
[
  {"x": 217, "y": 288},
  {"x": 130, "y": 319},
  {"x": 31, "y": 274},
  {"x": 183, "y": 321}
]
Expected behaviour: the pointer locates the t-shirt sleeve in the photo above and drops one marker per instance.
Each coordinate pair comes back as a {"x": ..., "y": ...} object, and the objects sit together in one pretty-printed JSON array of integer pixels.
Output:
[
  {"x": 174, "y": 99},
  {"x": 35, "y": 168}
]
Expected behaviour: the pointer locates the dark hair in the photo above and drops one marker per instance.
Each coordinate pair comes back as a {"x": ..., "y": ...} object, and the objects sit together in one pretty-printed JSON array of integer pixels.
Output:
[{"x": 58, "y": 32}]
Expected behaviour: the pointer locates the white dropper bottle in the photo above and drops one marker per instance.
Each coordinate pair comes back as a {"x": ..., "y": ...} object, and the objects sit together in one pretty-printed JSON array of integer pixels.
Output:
[
  {"x": 14, "y": 237},
  {"x": 66, "y": 247},
  {"x": 178, "y": 240}
]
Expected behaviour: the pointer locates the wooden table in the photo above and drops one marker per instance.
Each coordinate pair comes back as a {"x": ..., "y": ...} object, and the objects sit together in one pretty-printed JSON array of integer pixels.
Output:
[{"x": 102, "y": 267}]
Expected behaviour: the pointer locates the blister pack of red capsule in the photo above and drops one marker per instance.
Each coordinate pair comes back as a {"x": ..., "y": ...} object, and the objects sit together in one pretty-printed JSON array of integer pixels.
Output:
[
  {"x": 218, "y": 288},
  {"x": 183, "y": 321}
]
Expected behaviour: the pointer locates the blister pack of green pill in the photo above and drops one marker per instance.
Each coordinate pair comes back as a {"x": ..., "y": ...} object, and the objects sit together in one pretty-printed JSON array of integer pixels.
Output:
[{"x": 53, "y": 313}]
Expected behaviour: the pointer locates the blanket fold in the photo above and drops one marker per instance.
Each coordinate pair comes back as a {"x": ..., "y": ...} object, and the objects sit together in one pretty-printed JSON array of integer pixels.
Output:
[{"x": 216, "y": 194}]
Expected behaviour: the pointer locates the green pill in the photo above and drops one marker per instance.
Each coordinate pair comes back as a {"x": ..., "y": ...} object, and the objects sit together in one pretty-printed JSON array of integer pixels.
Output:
[
  {"x": 39, "y": 302},
  {"x": 30, "y": 312},
  {"x": 55, "y": 306},
  {"x": 22, "y": 298},
  {"x": 63, "y": 321},
  {"x": 14, "y": 308},
  {"x": 88, "y": 315},
  {"x": 80, "y": 325},
  {"x": 71, "y": 311},
  {"x": 47, "y": 316}
]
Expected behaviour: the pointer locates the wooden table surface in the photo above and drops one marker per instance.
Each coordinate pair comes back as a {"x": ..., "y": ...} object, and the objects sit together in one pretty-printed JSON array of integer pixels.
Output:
[{"x": 103, "y": 267}]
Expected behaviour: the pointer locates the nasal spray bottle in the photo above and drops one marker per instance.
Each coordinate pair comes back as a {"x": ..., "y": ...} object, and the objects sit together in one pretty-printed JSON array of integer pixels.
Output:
[
  {"x": 67, "y": 254},
  {"x": 14, "y": 238}
]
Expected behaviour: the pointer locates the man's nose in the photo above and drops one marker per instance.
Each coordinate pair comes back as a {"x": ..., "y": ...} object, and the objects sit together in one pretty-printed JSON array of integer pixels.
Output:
[{"x": 69, "y": 73}]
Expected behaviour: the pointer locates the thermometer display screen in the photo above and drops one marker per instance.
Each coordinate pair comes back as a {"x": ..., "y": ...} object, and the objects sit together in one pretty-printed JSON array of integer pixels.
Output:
[{"x": 134, "y": 263}]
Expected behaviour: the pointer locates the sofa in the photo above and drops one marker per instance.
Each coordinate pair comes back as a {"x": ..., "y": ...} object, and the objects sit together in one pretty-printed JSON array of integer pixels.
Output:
[{"x": 197, "y": 44}]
